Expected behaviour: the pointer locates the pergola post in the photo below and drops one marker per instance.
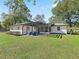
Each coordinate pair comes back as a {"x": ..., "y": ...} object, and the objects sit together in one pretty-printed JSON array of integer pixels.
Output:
[{"x": 48, "y": 28}]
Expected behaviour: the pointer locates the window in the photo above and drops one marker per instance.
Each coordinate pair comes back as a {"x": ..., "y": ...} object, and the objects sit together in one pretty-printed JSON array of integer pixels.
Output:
[{"x": 58, "y": 28}]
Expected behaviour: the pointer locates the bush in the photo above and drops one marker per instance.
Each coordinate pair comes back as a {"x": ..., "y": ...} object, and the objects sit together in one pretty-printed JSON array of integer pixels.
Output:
[
  {"x": 73, "y": 31},
  {"x": 70, "y": 31},
  {"x": 76, "y": 32},
  {"x": 14, "y": 33}
]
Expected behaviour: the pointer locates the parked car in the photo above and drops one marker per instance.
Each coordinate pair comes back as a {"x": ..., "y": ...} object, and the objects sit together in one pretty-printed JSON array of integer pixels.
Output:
[{"x": 34, "y": 33}]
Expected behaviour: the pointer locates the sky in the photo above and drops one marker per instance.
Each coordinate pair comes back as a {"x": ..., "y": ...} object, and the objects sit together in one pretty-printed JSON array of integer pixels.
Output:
[{"x": 41, "y": 7}]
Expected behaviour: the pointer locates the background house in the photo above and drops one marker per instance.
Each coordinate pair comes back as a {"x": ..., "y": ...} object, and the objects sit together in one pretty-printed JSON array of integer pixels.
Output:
[
  {"x": 26, "y": 28},
  {"x": 59, "y": 28}
]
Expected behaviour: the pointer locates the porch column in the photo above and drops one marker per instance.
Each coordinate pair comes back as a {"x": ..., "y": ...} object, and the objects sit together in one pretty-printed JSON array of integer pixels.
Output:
[
  {"x": 38, "y": 29},
  {"x": 22, "y": 29},
  {"x": 32, "y": 29},
  {"x": 48, "y": 29}
]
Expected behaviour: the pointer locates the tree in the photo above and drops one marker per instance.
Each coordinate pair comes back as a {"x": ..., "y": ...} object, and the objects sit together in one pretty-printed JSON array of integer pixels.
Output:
[
  {"x": 50, "y": 19},
  {"x": 65, "y": 9},
  {"x": 39, "y": 18},
  {"x": 18, "y": 8},
  {"x": 18, "y": 13},
  {"x": 6, "y": 20}
]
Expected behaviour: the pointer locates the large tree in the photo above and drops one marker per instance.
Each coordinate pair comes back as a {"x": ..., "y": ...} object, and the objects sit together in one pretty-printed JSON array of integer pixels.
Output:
[
  {"x": 39, "y": 18},
  {"x": 65, "y": 10},
  {"x": 18, "y": 8},
  {"x": 7, "y": 20},
  {"x": 18, "y": 12}
]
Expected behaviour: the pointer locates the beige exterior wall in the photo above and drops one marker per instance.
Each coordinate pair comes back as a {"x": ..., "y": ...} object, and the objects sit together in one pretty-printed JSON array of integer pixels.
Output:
[
  {"x": 23, "y": 29},
  {"x": 63, "y": 29},
  {"x": 16, "y": 28},
  {"x": 27, "y": 29}
]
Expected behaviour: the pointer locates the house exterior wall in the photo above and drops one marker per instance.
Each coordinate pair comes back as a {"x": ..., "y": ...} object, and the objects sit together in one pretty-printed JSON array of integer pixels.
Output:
[
  {"x": 16, "y": 28},
  {"x": 34, "y": 28},
  {"x": 63, "y": 29},
  {"x": 23, "y": 29},
  {"x": 27, "y": 29}
]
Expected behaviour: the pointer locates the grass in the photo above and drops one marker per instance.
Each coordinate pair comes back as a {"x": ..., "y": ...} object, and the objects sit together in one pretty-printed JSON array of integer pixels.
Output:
[{"x": 39, "y": 47}]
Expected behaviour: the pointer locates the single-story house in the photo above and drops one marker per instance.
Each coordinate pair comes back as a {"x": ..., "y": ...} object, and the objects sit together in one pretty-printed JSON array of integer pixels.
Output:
[
  {"x": 26, "y": 28},
  {"x": 59, "y": 28}
]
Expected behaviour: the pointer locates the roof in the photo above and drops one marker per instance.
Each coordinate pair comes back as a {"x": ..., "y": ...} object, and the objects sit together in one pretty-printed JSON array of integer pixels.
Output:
[
  {"x": 30, "y": 23},
  {"x": 59, "y": 24},
  {"x": 40, "y": 24}
]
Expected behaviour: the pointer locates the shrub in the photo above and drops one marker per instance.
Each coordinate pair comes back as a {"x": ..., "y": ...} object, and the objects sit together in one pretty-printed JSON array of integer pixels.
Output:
[
  {"x": 70, "y": 31},
  {"x": 73, "y": 31},
  {"x": 76, "y": 32}
]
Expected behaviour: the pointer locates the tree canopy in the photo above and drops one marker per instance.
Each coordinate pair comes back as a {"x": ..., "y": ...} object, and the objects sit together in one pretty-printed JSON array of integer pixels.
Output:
[
  {"x": 65, "y": 10},
  {"x": 18, "y": 12},
  {"x": 39, "y": 18}
]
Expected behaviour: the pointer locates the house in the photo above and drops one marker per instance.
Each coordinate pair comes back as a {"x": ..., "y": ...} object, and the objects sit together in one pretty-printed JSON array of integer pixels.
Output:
[
  {"x": 26, "y": 28},
  {"x": 59, "y": 28}
]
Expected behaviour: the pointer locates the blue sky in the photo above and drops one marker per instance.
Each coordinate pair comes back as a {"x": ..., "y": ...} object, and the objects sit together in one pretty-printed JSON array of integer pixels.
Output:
[{"x": 42, "y": 7}]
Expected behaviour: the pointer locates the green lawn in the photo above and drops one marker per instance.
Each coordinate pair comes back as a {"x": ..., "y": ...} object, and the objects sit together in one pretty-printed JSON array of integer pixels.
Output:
[{"x": 39, "y": 47}]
